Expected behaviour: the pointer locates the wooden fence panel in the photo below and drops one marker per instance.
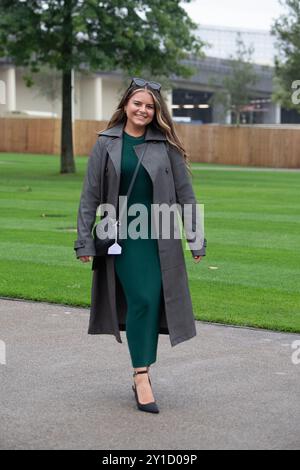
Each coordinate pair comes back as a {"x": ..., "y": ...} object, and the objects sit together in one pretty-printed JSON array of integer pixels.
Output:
[
  {"x": 277, "y": 146},
  {"x": 86, "y": 133}
]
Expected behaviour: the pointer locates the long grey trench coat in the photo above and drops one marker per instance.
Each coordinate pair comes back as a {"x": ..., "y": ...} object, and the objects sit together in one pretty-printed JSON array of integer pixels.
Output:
[{"x": 171, "y": 184}]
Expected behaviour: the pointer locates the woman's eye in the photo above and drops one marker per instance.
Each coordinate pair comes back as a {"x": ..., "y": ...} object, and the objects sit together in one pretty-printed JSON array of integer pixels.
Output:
[{"x": 136, "y": 103}]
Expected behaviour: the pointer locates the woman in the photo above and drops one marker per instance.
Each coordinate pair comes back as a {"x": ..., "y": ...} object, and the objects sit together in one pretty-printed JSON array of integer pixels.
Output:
[{"x": 144, "y": 290}]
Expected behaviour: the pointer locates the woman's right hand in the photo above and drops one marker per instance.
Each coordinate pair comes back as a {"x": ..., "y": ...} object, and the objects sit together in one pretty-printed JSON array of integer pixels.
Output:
[{"x": 85, "y": 259}]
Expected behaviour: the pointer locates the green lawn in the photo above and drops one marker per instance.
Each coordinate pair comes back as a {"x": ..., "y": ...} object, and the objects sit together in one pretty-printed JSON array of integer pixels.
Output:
[{"x": 252, "y": 224}]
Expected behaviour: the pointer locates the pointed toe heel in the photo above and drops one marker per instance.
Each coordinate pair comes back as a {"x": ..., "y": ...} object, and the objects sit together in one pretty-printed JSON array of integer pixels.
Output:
[{"x": 148, "y": 407}]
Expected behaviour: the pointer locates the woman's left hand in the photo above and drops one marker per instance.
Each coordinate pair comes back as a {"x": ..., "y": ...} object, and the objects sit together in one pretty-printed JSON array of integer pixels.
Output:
[{"x": 197, "y": 259}]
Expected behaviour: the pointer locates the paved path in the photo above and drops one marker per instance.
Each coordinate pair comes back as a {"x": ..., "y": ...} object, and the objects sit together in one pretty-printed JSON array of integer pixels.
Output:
[{"x": 227, "y": 388}]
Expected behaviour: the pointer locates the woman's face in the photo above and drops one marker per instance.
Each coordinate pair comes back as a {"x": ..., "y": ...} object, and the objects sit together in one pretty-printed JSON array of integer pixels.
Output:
[{"x": 140, "y": 109}]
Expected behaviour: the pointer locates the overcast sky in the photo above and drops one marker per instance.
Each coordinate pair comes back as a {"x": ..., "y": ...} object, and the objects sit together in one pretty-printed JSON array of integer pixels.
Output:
[{"x": 253, "y": 14}]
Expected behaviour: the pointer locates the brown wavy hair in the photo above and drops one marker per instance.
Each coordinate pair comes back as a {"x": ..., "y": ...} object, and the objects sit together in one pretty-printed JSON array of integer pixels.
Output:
[{"x": 161, "y": 120}]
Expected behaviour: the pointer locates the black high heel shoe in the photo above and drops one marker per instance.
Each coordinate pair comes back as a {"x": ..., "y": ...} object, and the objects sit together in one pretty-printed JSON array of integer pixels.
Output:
[{"x": 150, "y": 407}]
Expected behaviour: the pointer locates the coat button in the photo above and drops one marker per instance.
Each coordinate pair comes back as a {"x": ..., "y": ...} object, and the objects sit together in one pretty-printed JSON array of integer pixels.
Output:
[
  {"x": 167, "y": 170},
  {"x": 106, "y": 169}
]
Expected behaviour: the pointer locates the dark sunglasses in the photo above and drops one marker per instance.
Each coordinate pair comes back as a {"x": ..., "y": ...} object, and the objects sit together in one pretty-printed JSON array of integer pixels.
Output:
[{"x": 141, "y": 82}]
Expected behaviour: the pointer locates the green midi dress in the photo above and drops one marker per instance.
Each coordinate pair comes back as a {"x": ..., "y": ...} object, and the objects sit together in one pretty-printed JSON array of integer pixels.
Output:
[{"x": 138, "y": 266}]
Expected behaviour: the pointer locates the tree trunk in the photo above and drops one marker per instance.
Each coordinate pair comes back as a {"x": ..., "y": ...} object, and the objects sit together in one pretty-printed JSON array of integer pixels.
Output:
[{"x": 67, "y": 164}]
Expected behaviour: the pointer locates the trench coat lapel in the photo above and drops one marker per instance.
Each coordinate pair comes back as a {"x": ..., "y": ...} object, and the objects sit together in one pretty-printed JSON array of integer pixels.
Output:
[
  {"x": 114, "y": 150},
  {"x": 151, "y": 156}
]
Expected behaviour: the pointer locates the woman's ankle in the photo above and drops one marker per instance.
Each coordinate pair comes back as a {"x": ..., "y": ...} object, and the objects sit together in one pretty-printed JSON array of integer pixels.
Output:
[{"x": 140, "y": 369}]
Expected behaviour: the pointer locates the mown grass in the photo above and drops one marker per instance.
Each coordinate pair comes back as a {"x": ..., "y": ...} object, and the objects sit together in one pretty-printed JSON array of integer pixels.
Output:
[{"x": 250, "y": 276}]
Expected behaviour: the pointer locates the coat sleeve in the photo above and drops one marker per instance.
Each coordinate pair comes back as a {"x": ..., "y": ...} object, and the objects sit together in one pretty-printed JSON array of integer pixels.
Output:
[
  {"x": 89, "y": 201},
  {"x": 185, "y": 197}
]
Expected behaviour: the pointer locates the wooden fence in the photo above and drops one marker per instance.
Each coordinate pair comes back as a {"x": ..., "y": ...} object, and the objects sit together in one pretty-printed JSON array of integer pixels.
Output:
[{"x": 277, "y": 146}]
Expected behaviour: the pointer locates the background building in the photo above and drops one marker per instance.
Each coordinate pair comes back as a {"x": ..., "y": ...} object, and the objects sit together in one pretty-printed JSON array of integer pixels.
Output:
[
  {"x": 96, "y": 95},
  {"x": 222, "y": 42},
  {"x": 190, "y": 98}
]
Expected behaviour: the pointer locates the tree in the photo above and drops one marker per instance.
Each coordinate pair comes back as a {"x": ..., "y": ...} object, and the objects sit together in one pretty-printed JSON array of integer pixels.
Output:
[
  {"x": 287, "y": 64},
  {"x": 135, "y": 36},
  {"x": 235, "y": 89}
]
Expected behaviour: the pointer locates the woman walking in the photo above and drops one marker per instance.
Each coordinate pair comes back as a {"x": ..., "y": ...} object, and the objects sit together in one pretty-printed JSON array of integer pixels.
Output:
[{"x": 144, "y": 289}]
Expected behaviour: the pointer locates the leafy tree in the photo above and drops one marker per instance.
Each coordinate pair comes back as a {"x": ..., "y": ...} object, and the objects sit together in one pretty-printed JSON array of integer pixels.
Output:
[
  {"x": 287, "y": 63},
  {"x": 139, "y": 37},
  {"x": 235, "y": 89}
]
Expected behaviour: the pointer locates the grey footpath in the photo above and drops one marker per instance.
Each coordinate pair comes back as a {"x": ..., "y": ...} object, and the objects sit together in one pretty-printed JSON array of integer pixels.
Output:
[{"x": 226, "y": 388}]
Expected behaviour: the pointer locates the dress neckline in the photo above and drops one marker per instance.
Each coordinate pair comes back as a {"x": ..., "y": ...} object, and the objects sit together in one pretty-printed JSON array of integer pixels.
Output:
[{"x": 133, "y": 137}]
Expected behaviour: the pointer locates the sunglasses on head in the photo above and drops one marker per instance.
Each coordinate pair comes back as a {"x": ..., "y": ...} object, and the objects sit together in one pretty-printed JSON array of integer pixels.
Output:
[{"x": 141, "y": 82}]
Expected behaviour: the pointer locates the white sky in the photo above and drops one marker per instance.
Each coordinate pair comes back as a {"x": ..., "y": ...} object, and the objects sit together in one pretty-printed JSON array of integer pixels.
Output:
[{"x": 253, "y": 14}]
